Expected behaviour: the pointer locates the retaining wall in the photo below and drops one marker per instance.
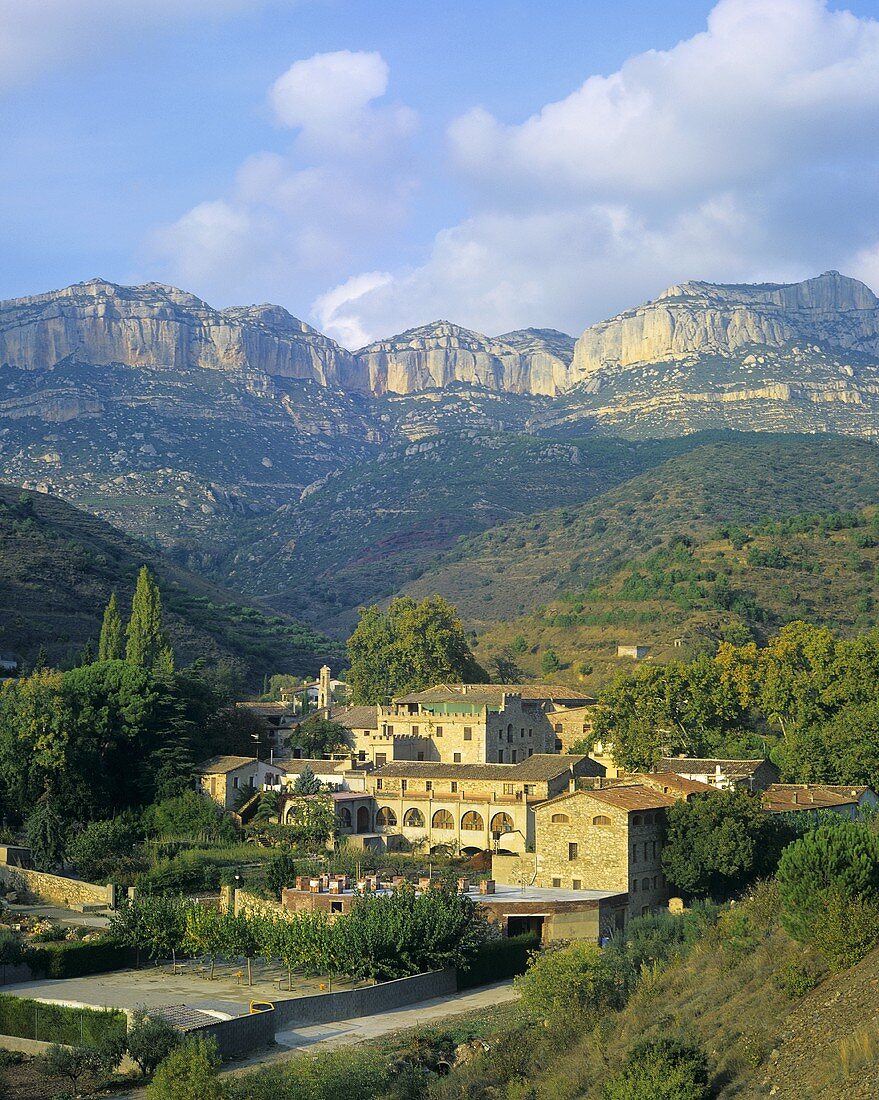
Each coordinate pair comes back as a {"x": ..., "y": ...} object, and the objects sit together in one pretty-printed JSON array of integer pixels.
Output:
[
  {"x": 325, "y": 1008},
  {"x": 15, "y": 972},
  {"x": 56, "y": 889},
  {"x": 241, "y": 1034}
]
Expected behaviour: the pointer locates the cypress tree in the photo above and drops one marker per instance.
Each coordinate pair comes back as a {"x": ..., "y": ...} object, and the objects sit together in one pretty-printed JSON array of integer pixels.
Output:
[
  {"x": 110, "y": 644},
  {"x": 147, "y": 645}
]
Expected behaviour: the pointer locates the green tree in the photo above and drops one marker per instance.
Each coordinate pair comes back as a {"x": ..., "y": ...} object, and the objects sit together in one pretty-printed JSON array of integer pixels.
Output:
[
  {"x": 150, "y": 1040},
  {"x": 829, "y": 867},
  {"x": 318, "y": 737},
  {"x": 245, "y": 935},
  {"x": 147, "y": 644},
  {"x": 311, "y": 819},
  {"x": 189, "y": 1072},
  {"x": 549, "y": 661},
  {"x": 205, "y": 933},
  {"x": 74, "y": 1063},
  {"x": 110, "y": 646},
  {"x": 267, "y": 807},
  {"x": 661, "y": 1069},
  {"x": 107, "y": 849},
  {"x": 302, "y": 941},
  {"x": 307, "y": 783},
  {"x": 505, "y": 670},
  {"x": 567, "y": 981},
  {"x": 152, "y": 922},
  {"x": 46, "y": 834},
  {"x": 281, "y": 872},
  {"x": 409, "y": 647}
]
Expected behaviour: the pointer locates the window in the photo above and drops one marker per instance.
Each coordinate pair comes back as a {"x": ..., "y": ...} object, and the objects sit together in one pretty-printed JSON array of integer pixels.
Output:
[
  {"x": 403, "y": 784},
  {"x": 421, "y": 756},
  {"x": 654, "y": 882},
  {"x": 456, "y": 759},
  {"x": 512, "y": 756},
  {"x": 381, "y": 759},
  {"x": 415, "y": 731},
  {"x": 389, "y": 730},
  {"x": 361, "y": 756},
  {"x": 560, "y": 819},
  {"x": 654, "y": 849},
  {"x": 500, "y": 756},
  {"x": 472, "y": 821},
  {"x": 522, "y": 734},
  {"x": 530, "y": 788},
  {"x": 442, "y": 819},
  {"x": 645, "y": 849},
  {"x": 573, "y": 850},
  {"x": 344, "y": 818},
  {"x": 438, "y": 732},
  {"x": 530, "y": 751},
  {"x": 557, "y": 882},
  {"x": 428, "y": 786},
  {"x": 379, "y": 783},
  {"x": 236, "y": 782},
  {"x": 468, "y": 733},
  {"x": 501, "y": 823},
  {"x": 509, "y": 788},
  {"x": 413, "y": 819},
  {"x": 453, "y": 787},
  {"x": 601, "y": 819},
  {"x": 385, "y": 818},
  {"x": 576, "y": 884},
  {"x": 634, "y": 886},
  {"x": 645, "y": 884},
  {"x": 634, "y": 853},
  {"x": 510, "y": 736},
  {"x": 636, "y": 819},
  {"x": 335, "y": 907}
]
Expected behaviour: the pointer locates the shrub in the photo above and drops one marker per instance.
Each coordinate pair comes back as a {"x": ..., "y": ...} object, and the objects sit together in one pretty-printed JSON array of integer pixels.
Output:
[
  {"x": 188, "y": 1073},
  {"x": 325, "y": 1076},
  {"x": 73, "y": 1062},
  {"x": 150, "y": 1040},
  {"x": 189, "y": 815},
  {"x": 11, "y": 949},
  {"x": 74, "y": 959},
  {"x": 661, "y": 1069},
  {"x": 498, "y": 959},
  {"x": 563, "y": 981},
  {"x": 847, "y": 930},
  {"x": 796, "y": 980},
  {"x": 107, "y": 850}
]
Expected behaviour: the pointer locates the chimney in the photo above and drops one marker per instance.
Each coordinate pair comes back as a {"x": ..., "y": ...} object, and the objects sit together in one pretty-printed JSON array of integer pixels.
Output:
[{"x": 324, "y": 691}]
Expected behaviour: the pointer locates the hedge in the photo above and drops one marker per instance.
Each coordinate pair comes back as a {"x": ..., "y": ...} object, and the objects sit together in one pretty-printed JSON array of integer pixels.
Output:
[
  {"x": 499, "y": 959},
  {"x": 51, "y": 1023},
  {"x": 74, "y": 959}
]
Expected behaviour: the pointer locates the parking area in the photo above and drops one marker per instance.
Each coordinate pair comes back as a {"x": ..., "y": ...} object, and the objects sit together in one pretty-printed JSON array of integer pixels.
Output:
[{"x": 156, "y": 986}]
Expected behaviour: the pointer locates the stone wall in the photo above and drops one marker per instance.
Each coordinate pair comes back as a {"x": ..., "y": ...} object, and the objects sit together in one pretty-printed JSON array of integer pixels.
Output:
[
  {"x": 56, "y": 889},
  {"x": 241, "y": 1034}
]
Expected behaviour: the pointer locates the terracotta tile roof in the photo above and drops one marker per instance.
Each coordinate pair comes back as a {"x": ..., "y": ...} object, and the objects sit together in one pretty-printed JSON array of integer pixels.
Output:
[
  {"x": 296, "y": 765},
  {"x": 543, "y": 766},
  {"x": 258, "y": 706},
  {"x": 690, "y": 764},
  {"x": 624, "y": 798},
  {"x": 218, "y": 765},
  {"x": 359, "y": 717},
  {"x": 784, "y": 797},
  {"x": 493, "y": 693},
  {"x": 677, "y": 782}
]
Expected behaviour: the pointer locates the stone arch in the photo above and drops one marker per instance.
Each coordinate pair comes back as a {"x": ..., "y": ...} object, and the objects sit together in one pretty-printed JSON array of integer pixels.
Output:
[
  {"x": 442, "y": 819},
  {"x": 560, "y": 819},
  {"x": 601, "y": 819},
  {"x": 501, "y": 823},
  {"x": 413, "y": 819},
  {"x": 344, "y": 817},
  {"x": 385, "y": 818},
  {"x": 472, "y": 821},
  {"x": 363, "y": 819}
]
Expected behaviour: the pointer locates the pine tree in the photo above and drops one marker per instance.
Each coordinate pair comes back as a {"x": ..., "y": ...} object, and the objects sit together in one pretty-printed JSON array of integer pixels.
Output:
[
  {"x": 110, "y": 644},
  {"x": 147, "y": 645}
]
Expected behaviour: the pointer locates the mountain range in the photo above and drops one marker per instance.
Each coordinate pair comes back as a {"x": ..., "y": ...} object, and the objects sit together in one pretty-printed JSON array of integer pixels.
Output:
[{"x": 259, "y": 453}]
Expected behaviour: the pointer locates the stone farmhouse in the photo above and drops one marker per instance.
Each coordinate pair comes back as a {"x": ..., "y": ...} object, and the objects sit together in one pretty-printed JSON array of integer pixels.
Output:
[
  {"x": 783, "y": 798},
  {"x": 752, "y": 775},
  {"x": 226, "y": 778}
]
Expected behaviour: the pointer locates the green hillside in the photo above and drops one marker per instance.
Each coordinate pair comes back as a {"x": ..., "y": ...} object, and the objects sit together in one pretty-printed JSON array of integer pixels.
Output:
[
  {"x": 369, "y": 529},
  {"x": 58, "y": 566},
  {"x": 730, "y": 540}
]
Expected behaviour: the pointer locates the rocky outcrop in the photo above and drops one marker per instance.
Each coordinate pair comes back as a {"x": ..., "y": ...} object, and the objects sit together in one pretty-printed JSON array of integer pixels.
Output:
[
  {"x": 704, "y": 319},
  {"x": 438, "y": 355},
  {"x": 159, "y": 326}
]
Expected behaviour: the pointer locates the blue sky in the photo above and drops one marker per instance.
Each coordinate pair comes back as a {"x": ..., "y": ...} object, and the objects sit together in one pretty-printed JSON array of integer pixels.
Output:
[{"x": 375, "y": 164}]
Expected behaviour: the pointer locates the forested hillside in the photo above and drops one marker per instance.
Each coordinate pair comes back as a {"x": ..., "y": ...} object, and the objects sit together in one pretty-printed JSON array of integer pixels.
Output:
[{"x": 58, "y": 567}]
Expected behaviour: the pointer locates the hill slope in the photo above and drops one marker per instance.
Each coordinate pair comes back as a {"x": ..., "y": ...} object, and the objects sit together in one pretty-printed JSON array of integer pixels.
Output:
[
  {"x": 58, "y": 566},
  {"x": 639, "y": 564}
]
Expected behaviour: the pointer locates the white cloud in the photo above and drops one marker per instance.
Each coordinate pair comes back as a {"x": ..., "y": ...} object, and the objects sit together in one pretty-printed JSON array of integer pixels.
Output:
[
  {"x": 39, "y": 35},
  {"x": 295, "y": 219},
  {"x": 329, "y": 308},
  {"x": 731, "y": 156}
]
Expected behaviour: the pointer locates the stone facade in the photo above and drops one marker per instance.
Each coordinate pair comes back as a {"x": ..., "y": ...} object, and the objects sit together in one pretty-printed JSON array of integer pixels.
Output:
[
  {"x": 69, "y": 893},
  {"x": 603, "y": 840}
]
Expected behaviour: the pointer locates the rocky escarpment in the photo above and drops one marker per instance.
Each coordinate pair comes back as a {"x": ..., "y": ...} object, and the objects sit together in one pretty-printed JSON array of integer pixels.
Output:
[
  {"x": 438, "y": 355},
  {"x": 156, "y": 326},
  {"x": 697, "y": 319}
]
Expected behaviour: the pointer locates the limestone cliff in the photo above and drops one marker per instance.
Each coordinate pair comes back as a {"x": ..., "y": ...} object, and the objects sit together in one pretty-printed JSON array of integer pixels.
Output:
[
  {"x": 699, "y": 319},
  {"x": 438, "y": 355},
  {"x": 156, "y": 326}
]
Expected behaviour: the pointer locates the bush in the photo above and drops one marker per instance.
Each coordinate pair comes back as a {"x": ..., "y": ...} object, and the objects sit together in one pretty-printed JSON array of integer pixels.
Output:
[
  {"x": 563, "y": 981},
  {"x": 796, "y": 980},
  {"x": 107, "y": 850},
  {"x": 192, "y": 816},
  {"x": 75, "y": 959},
  {"x": 73, "y": 1062},
  {"x": 661, "y": 1069},
  {"x": 847, "y": 930},
  {"x": 187, "y": 872},
  {"x": 11, "y": 948},
  {"x": 57, "y": 1023},
  {"x": 325, "y": 1076},
  {"x": 188, "y": 1073},
  {"x": 498, "y": 959}
]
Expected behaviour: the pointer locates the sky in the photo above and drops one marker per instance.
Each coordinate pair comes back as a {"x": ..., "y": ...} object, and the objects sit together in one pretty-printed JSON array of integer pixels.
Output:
[{"x": 373, "y": 165}]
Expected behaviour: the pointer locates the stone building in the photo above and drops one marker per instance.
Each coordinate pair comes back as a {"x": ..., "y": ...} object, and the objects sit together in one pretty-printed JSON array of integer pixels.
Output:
[
  {"x": 752, "y": 775},
  {"x": 225, "y": 779},
  {"x": 472, "y": 807},
  {"x": 609, "y": 839},
  {"x": 810, "y": 798}
]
